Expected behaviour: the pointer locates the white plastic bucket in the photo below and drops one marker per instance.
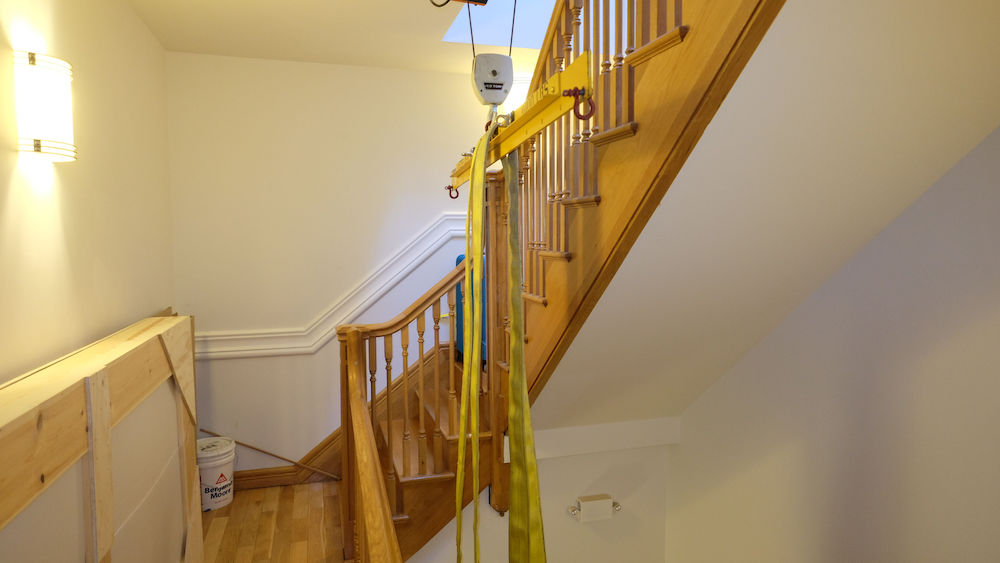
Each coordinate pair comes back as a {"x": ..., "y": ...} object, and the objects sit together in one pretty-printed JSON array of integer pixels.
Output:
[{"x": 215, "y": 463}]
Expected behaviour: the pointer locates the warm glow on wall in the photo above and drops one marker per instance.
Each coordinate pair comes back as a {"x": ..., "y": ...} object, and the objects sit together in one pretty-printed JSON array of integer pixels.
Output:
[
  {"x": 518, "y": 93},
  {"x": 44, "y": 99}
]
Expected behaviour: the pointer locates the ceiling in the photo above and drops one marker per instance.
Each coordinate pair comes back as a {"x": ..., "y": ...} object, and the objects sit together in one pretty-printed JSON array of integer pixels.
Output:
[
  {"x": 847, "y": 112},
  {"x": 400, "y": 34}
]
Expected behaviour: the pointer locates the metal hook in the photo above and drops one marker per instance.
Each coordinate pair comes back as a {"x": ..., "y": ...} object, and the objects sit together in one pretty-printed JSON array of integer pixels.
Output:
[
  {"x": 452, "y": 192},
  {"x": 576, "y": 94},
  {"x": 590, "y": 112}
]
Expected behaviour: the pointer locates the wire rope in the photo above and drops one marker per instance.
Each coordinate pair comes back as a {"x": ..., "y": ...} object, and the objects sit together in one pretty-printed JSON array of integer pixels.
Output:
[
  {"x": 513, "y": 18},
  {"x": 472, "y": 37}
]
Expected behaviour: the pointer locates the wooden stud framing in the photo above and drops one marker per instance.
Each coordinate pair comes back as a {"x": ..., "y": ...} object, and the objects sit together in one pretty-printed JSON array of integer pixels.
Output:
[
  {"x": 99, "y": 528},
  {"x": 52, "y": 417}
]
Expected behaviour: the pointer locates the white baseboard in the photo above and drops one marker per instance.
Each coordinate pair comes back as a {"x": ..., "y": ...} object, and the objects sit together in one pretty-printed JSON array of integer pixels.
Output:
[{"x": 308, "y": 339}]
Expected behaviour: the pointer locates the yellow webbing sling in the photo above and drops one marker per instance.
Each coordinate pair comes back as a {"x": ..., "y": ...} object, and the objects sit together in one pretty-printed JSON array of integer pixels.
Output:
[
  {"x": 472, "y": 327},
  {"x": 526, "y": 537}
]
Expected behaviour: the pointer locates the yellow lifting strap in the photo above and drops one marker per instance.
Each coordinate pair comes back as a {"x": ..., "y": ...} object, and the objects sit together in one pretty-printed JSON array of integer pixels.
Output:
[
  {"x": 526, "y": 536},
  {"x": 561, "y": 93},
  {"x": 472, "y": 327}
]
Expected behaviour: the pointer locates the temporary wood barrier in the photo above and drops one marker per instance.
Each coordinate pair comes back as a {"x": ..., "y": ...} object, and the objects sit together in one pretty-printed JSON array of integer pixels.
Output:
[{"x": 56, "y": 415}]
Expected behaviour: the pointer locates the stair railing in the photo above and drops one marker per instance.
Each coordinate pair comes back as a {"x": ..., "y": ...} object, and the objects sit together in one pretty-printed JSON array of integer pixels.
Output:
[
  {"x": 376, "y": 411},
  {"x": 559, "y": 164},
  {"x": 363, "y": 493}
]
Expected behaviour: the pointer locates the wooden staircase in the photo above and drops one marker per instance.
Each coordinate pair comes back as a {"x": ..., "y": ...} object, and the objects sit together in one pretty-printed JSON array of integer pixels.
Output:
[{"x": 588, "y": 187}]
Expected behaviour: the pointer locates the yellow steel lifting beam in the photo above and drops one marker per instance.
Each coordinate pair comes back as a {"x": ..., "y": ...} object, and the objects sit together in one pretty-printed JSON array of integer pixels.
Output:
[{"x": 541, "y": 108}]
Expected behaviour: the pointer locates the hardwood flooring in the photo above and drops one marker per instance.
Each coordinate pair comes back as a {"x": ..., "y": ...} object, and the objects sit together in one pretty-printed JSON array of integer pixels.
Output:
[{"x": 293, "y": 524}]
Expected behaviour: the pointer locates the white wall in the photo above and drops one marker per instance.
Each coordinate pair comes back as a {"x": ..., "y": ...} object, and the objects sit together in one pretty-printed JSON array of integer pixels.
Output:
[
  {"x": 291, "y": 183},
  {"x": 632, "y": 477},
  {"x": 865, "y": 427},
  {"x": 289, "y": 403},
  {"x": 84, "y": 246}
]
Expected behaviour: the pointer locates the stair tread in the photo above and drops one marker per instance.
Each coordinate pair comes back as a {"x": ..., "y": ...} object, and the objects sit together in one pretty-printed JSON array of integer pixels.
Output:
[
  {"x": 430, "y": 404},
  {"x": 414, "y": 450},
  {"x": 445, "y": 425}
]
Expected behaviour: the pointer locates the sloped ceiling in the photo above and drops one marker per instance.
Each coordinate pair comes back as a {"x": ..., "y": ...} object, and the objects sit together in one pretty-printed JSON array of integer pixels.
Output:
[{"x": 847, "y": 112}]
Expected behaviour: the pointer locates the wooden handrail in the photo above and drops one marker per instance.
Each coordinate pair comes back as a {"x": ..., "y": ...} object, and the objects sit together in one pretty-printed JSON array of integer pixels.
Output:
[
  {"x": 374, "y": 516},
  {"x": 420, "y": 305}
]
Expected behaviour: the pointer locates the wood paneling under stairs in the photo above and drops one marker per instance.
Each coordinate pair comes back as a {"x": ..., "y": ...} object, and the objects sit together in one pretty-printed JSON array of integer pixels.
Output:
[{"x": 292, "y": 524}]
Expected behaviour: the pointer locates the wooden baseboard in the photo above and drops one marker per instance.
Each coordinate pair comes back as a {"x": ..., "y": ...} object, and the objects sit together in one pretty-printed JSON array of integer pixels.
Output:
[{"x": 266, "y": 477}]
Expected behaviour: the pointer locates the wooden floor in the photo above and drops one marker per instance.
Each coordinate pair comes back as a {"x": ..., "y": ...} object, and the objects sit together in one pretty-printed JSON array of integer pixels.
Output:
[{"x": 294, "y": 524}]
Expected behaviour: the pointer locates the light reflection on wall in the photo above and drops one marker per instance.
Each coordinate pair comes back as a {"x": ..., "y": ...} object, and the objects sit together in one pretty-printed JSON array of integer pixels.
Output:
[
  {"x": 518, "y": 93},
  {"x": 37, "y": 173}
]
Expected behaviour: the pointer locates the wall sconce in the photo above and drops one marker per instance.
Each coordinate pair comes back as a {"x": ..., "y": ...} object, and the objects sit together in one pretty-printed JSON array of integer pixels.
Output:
[{"x": 44, "y": 100}]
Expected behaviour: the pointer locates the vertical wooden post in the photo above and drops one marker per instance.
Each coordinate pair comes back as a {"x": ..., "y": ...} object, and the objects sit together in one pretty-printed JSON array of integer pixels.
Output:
[
  {"x": 616, "y": 88},
  {"x": 452, "y": 398},
  {"x": 100, "y": 526},
  {"x": 422, "y": 436},
  {"x": 438, "y": 438},
  {"x": 372, "y": 360},
  {"x": 346, "y": 489},
  {"x": 590, "y": 125},
  {"x": 391, "y": 477},
  {"x": 642, "y": 24},
  {"x": 404, "y": 337}
]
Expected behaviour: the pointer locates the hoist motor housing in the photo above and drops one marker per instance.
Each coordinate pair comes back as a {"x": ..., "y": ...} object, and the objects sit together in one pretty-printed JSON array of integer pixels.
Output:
[{"x": 492, "y": 77}]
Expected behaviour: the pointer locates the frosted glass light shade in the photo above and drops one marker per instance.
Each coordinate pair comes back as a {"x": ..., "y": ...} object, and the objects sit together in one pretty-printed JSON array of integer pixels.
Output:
[{"x": 44, "y": 99}]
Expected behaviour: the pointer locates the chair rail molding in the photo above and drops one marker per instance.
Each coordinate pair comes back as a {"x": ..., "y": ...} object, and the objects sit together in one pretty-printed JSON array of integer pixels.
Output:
[{"x": 256, "y": 343}]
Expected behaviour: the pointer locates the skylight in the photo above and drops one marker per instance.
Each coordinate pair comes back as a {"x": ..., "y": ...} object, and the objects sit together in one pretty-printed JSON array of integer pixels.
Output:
[{"x": 491, "y": 23}]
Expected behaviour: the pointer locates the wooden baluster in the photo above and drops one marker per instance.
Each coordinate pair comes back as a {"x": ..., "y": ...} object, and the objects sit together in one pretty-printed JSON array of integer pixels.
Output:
[
  {"x": 535, "y": 179},
  {"x": 585, "y": 126},
  {"x": 438, "y": 444},
  {"x": 558, "y": 145},
  {"x": 567, "y": 32},
  {"x": 663, "y": 16},
  {"x": 452, "y": 335},
  {"x": 391, "y": 480},
  {"x": 628, "y": 81},
  {"x": 541, "y": 156},
  {"x": 372, "y": 361},
  {"x": 567, "y": 178},
  {"x": 630, "y": 11},
  {"x": 655, "y": 13},
  {"x": 616, "y": 88},
  {"x": 643, "y": 22},
  {"x": 675, "y": 17},
  {"x": 525, "y": 173},
  {"x": 422, "y": 436},
  {"x": 404, "y": 338},
  {"x": 606, "y": 56},
  {"x": 530, "y": 216},
  {"x": 576, "y": 153},
  {"x": 550, "y": 184}
]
